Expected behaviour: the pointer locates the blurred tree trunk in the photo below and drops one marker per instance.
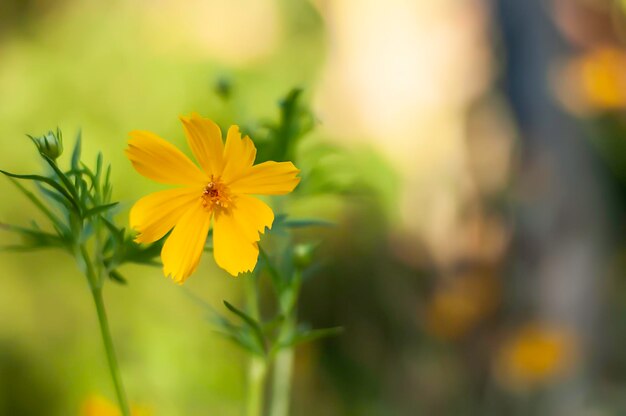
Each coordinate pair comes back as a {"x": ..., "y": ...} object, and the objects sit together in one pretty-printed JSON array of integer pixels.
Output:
[{"x": 558, "y": 263}]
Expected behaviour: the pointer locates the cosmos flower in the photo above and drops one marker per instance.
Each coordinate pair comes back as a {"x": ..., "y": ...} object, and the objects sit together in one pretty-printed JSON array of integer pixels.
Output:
[{"x": 218, "y": 195}]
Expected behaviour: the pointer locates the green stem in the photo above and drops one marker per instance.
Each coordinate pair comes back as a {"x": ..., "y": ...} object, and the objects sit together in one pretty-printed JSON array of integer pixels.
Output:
[
  {"x": 257, "y": 370},
  {"x": 281, "y": 383},
  {"x": 283, "y": 363},
  {"x": 110, "y": 351},
  {"x": 95, "y": 283}
]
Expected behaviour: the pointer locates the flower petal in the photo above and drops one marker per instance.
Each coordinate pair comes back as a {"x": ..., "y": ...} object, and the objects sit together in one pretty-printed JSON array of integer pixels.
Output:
[
  {"x": 183, "y": 248},
  {"x": 155, "y": 214},
  {"x": 236, "y": 232},
  {"x": 269, "y": 178},
  {"x": 161, "y": 161},
  {"x": 239, "y": 154},
  {"x": 205, "y": 139}
]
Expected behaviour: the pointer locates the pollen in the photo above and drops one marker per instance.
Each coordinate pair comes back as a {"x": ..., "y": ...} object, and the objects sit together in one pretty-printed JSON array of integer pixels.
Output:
[{"x": 215, "y": 195}]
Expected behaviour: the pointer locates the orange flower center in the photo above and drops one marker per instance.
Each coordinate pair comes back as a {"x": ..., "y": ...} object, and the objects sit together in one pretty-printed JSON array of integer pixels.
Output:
[{"x": 215, "y": 195}]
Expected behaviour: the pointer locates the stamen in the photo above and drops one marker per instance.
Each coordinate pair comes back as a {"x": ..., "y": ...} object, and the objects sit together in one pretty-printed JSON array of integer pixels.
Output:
[{"x": 215, "y": 195}]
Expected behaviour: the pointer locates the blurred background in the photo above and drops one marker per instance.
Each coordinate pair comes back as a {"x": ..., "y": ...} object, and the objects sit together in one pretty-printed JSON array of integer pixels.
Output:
[{"x": 471, "y": 152}]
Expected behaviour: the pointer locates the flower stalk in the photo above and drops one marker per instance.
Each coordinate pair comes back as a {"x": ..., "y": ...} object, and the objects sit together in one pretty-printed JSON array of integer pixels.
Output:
[
  {"x": 95, "y": 280},
  {"x": 257, "y": 366},
  {"x": 283, "y": 361},
  {"x": 257, "y": 372},
  {"x": 110, "y": 351}
]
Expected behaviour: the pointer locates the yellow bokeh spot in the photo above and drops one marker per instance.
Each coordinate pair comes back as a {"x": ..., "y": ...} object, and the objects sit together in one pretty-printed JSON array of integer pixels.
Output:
[
  {"x": 535, "y": 354},
  {"x": 457, "y": 308},
  {"x": 96, "y": 405},
  {"x": 603, "y": 76}
]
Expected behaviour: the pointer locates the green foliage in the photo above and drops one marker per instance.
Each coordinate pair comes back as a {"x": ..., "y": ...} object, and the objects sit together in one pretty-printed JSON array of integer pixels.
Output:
[
  {"x": 77, "y": 202},
  {"x": 278, "y": 140},
  {"x": 266, "y": 336}
]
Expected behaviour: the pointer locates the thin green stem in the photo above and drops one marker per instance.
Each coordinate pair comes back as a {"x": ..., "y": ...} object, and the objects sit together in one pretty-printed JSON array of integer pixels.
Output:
[
  {"x": 257, "y": 372},
  {"x": 110, "y": 351},
  {"x": 257, "y": 367},
  {"x": 283, "y": 363},
  {"x": 281, "y": 382},
  {"x": 95, "y": 283}
]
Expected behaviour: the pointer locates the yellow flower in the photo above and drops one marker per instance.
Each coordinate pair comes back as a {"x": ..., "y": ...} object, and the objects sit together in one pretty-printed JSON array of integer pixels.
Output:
[
  {"x": 457, "y": 308},
  {"x": 535, "y": 354},
  {"x": 96, "y": 405},
  {"x": 594, "y": 81},
  {"x": 218, "y": 193}
]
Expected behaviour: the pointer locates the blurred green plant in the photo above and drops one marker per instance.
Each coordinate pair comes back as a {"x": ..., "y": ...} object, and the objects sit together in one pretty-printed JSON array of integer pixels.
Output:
[
  {"x": 78, "y": 203},
  {"x": 270, "y": 340}
]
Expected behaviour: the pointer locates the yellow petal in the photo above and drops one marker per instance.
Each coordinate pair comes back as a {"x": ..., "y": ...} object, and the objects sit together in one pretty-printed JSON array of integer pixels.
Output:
[
  {"x": 183, "y": 248},
  {"x": 161, "y": 161},
  {"x": 205, "y": 139},
  {"x": 155, "y": 214},
  {"x": 239, "y": 154},
  {"x": 236, "y": 232},
  {"x": 269, "y": 178}
]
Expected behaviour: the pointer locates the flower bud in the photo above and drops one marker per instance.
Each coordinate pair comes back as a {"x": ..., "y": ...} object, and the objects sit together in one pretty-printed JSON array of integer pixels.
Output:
[
  {"x": 50, "y": 144},
  {"x": 303, "y": 255}
]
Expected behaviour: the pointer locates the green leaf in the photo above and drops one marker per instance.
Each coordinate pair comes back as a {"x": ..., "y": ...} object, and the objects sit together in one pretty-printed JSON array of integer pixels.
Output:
[
  {"x": 117, "y": 233},
  {"x": 311, "y": 335},
  {"x": 77, "y": 151},
  {"x": 240, "y": 336},
  {"x": 34, "y": 238},
  {"x": 99, "y": 209},
  {"x": 39, "y": 204},
  {"x": 303, "y": 223},
  {"x": 106, "y": 188},
  {"x": 277, "y": 279},
  {"x": 54, "y": 197},
  {"x": 243, "y": 340},
  {"x": 117, "y": 277},
  {"x": 98, "y": 175},
  {"x": 273, "y": 323},
  {"x": 250, "y": 322},
  {"x": 47, "y": 181},
  {"x": 237, "y": 334},
  {"x": 68, "y": 184}
]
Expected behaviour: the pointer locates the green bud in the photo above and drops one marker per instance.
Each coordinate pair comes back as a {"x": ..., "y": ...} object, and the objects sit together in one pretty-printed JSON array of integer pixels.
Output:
[
  {"x": 303, "y": 255},
  {"x": 50, "y": 144},
  {"x": 224, "y": 88}
]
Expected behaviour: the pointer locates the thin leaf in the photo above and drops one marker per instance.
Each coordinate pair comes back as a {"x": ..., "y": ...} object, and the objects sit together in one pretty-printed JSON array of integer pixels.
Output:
[
  {"x": 68, "y": 184},
  {"x": 117, "y": 277},
  {"x": 47, "y": 181},
  {"x": 252, "y": 323},
  {"x": 37, "y": 202},
  {"x": 99, "y": 209},
  {"x": 301, "y": 223},
  {"x": 77, "y": 151},
  {"x": 242, "y": 340},
  {"x": 40, "y": 238},
  {"x": 312, "y": 335},
  {"x": 277, "y": 279}
]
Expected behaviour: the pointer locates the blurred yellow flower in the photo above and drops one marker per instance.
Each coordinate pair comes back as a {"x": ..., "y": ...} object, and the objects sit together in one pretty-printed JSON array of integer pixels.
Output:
[
  {"x": 218, "y": 193},
  {"x": 96, "y": 405},
  {"x": 456, "y": 308},
  {"x": 594, "y": 81},
  {"x": 535, "y": 354},
  {"x": 603, "y": 74}
]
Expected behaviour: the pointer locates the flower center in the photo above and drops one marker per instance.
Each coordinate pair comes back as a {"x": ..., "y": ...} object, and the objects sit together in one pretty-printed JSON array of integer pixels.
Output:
[{"x": 215, "y": 195}]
